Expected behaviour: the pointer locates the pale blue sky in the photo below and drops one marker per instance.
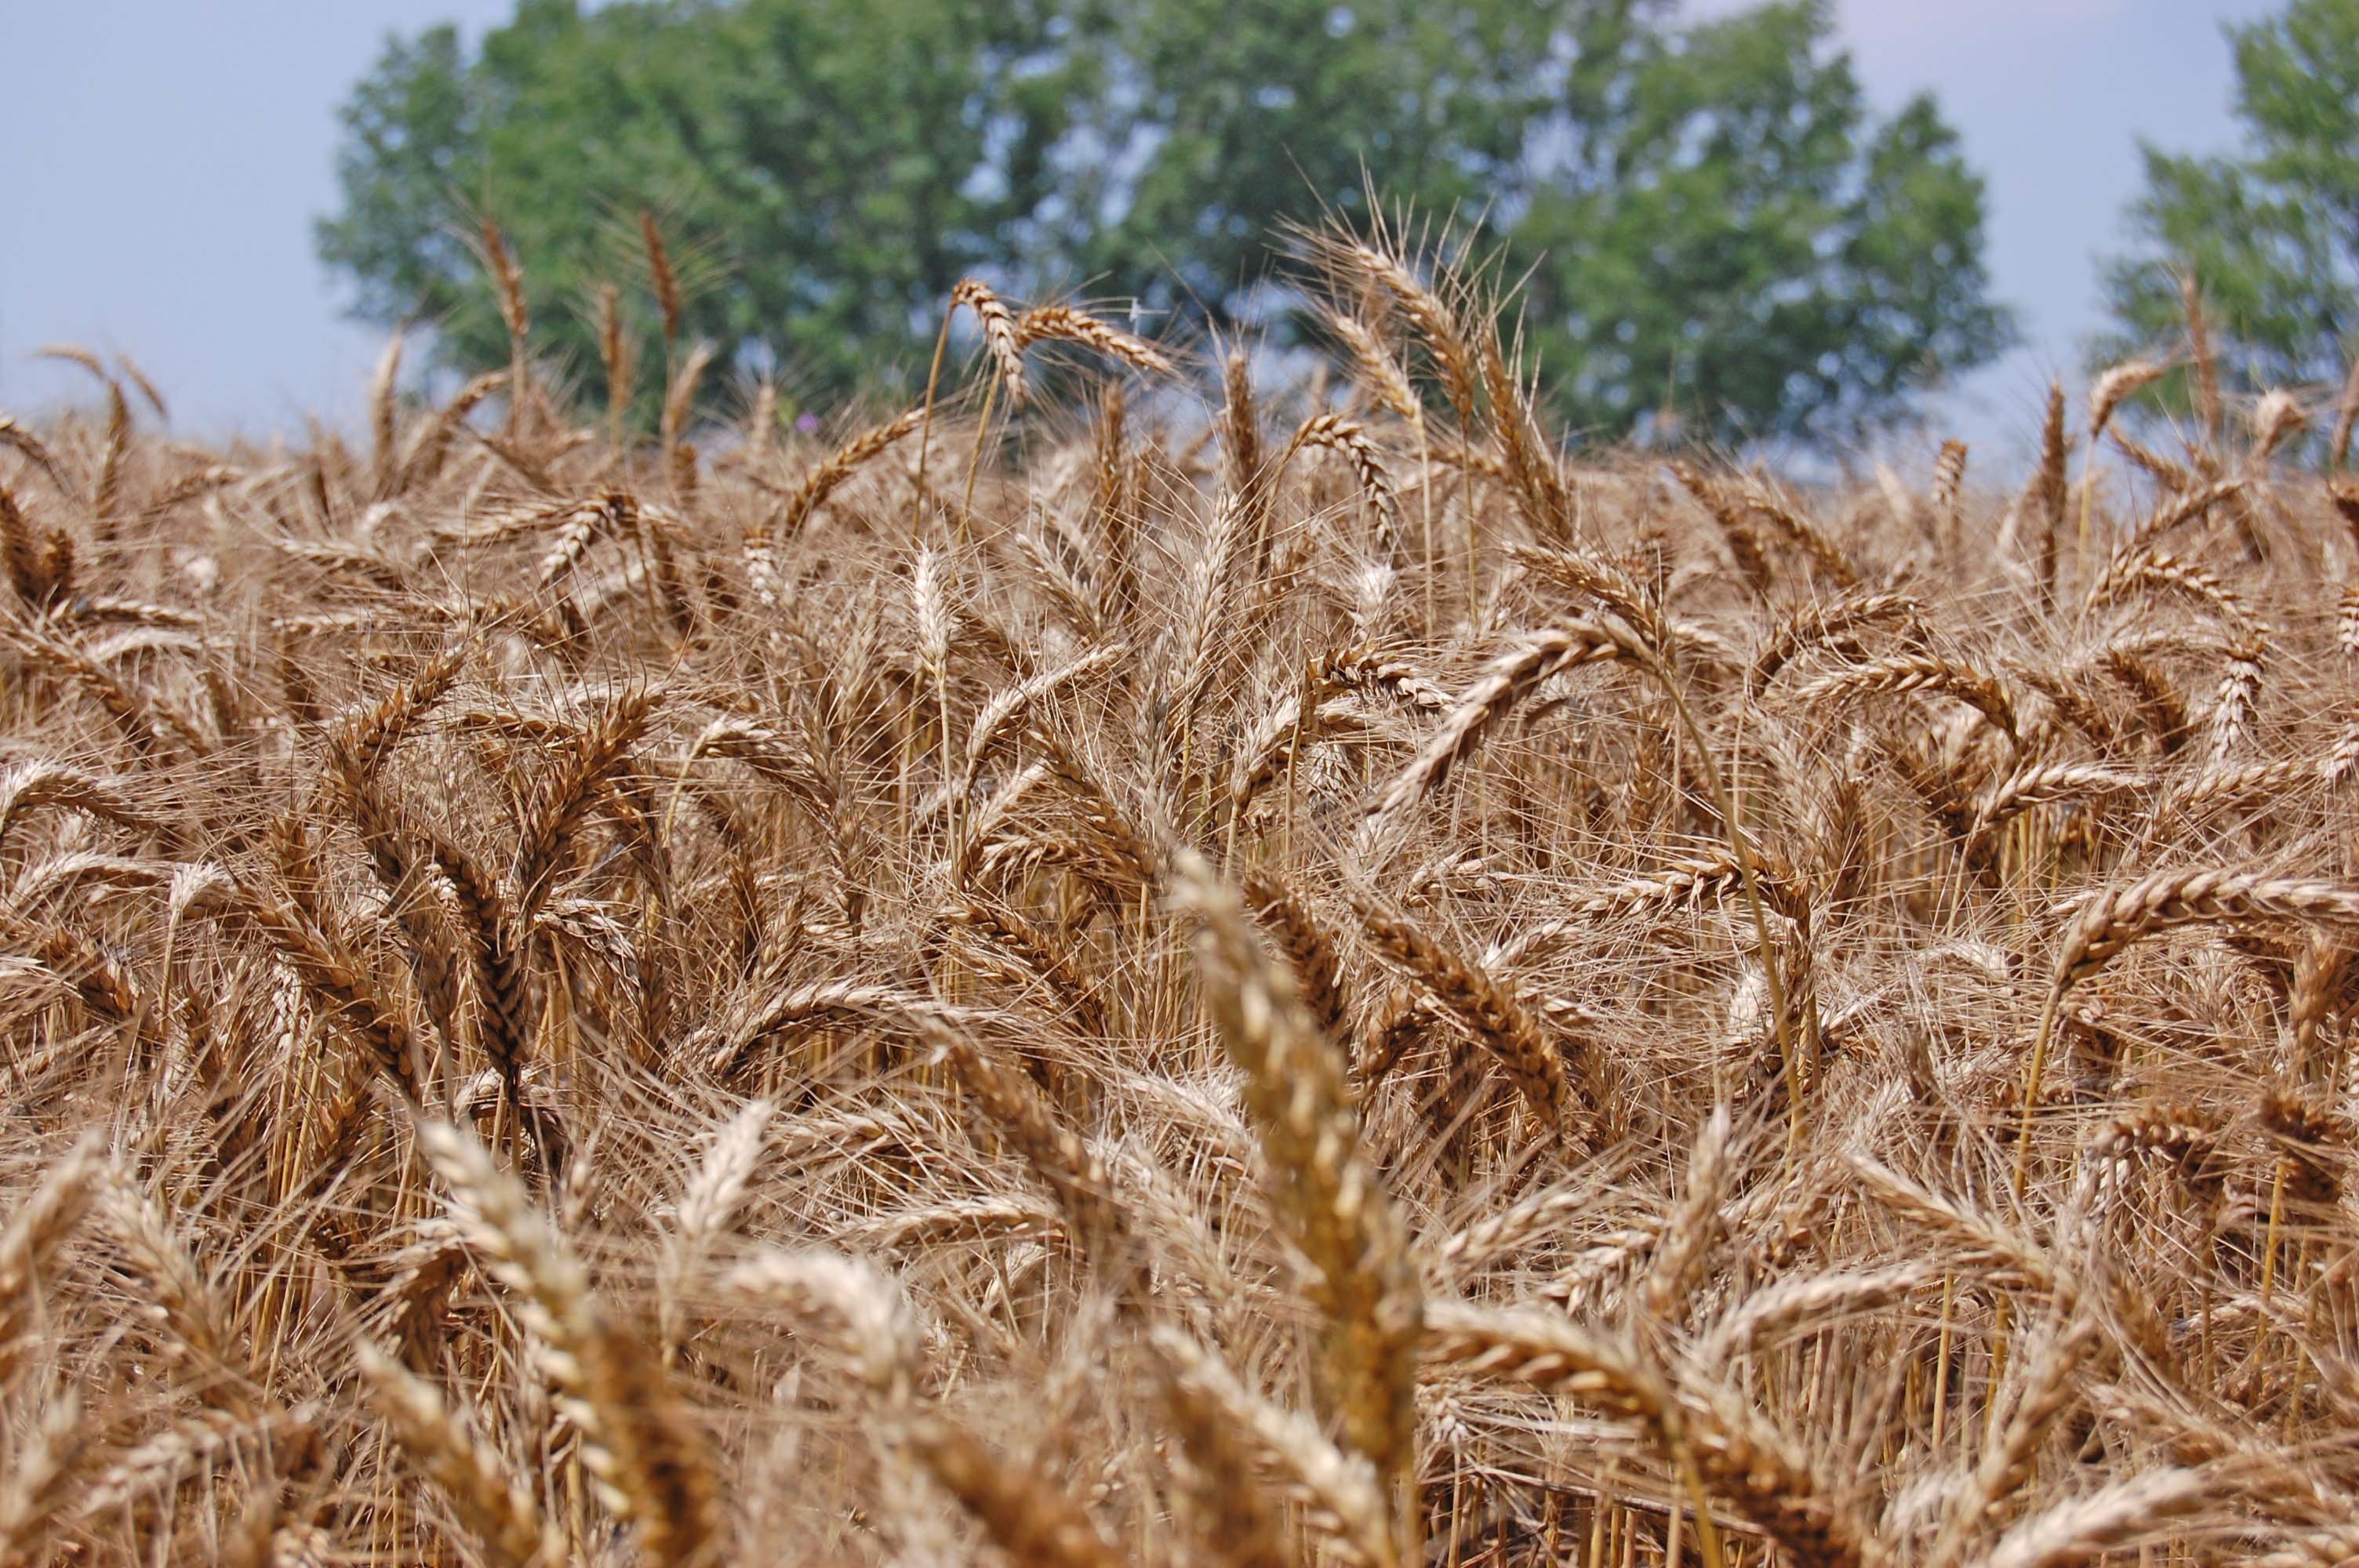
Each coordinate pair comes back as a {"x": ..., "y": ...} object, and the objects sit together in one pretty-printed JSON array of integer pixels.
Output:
[{"x": 167, "y": 157}]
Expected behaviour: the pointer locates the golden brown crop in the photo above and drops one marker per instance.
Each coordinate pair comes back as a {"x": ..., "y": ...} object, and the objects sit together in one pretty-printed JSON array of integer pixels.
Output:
[{"x": 1114, "y": 989}]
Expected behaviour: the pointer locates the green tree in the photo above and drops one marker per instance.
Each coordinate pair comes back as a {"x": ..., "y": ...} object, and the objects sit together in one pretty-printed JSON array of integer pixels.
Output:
[
  {"x": 849, "y": 159},
  {"x": 1225, "y": 120},
  {"x": 1702, "y": 215},
  {"x": 1729, "y": 239},
  {"x": 2270, "y": 232}
]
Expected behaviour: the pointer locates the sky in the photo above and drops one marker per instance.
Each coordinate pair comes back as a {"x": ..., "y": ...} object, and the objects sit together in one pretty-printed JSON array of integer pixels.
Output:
[{"x": 170, "y": 157}]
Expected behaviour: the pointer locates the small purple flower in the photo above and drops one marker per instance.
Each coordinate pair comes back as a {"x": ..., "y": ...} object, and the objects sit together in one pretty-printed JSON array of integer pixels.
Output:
[{"x": 807, "y": 422}]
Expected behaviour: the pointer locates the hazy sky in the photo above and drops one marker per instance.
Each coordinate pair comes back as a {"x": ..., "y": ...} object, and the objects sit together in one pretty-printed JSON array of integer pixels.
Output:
[{"x": 170, "y": 156}]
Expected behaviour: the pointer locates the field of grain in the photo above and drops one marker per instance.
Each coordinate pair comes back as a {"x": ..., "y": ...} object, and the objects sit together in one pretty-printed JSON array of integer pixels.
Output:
[{"x": 1234, "y": 983}]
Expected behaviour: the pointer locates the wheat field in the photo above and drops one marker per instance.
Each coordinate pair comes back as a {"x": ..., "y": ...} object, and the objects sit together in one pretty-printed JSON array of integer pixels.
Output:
[{"x": 1117, "y": 966}]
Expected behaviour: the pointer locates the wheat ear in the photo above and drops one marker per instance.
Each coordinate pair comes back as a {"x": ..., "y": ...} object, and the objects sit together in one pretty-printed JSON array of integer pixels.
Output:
[
  {"x": 1490, "y": 1014},
  {"x": 637, "y": 1442},
  {"x": 1325, "y": 1193},
  {"x": 40, "y": 1225},
  {"x": 494, "y": 1504},
  {"x": 1511, "y": 678},
  {"x": 1025, "y": 1515},
  {"x": 707, "y": 1208},
  {"x": 1339, "y": 1489},
  {"x": 2081, "y": 1529}
]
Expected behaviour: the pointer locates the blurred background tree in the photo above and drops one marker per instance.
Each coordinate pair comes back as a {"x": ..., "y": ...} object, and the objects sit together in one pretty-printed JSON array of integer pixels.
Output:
[
  {"x": 837, "y": 164},
  {"x": 2271, "y": 232},
  {"x": 1704, "y": 222},
  {"x": 1724, "y": 233}
]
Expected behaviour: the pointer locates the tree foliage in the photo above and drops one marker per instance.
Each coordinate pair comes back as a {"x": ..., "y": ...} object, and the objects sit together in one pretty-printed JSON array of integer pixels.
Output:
[
  {"x": 848, "y": 159},
  {"x": 2269, "y": 232},
  {"x": 1706, "y": 220},
  {"x": 1730, "y": 236}
]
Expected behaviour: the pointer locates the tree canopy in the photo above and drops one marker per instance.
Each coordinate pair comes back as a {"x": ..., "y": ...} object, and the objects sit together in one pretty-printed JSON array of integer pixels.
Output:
[
  {"x": 2269, "y": 232},
  {"x": 1705, "y": 219}
]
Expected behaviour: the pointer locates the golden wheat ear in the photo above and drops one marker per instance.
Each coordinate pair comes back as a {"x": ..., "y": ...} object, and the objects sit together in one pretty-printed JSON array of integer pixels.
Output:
[
  {"x": 1025, "y": 1515},
  {"x": 1326, "y": 1196},
  {"x": 1491, "y": 1014},
  {"x": 495, "y": 1502},
  {"x": 40, "y": 1226},
  {"x": 639, "y": 1443},
  {"x": 1337, "y": 1489}
]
